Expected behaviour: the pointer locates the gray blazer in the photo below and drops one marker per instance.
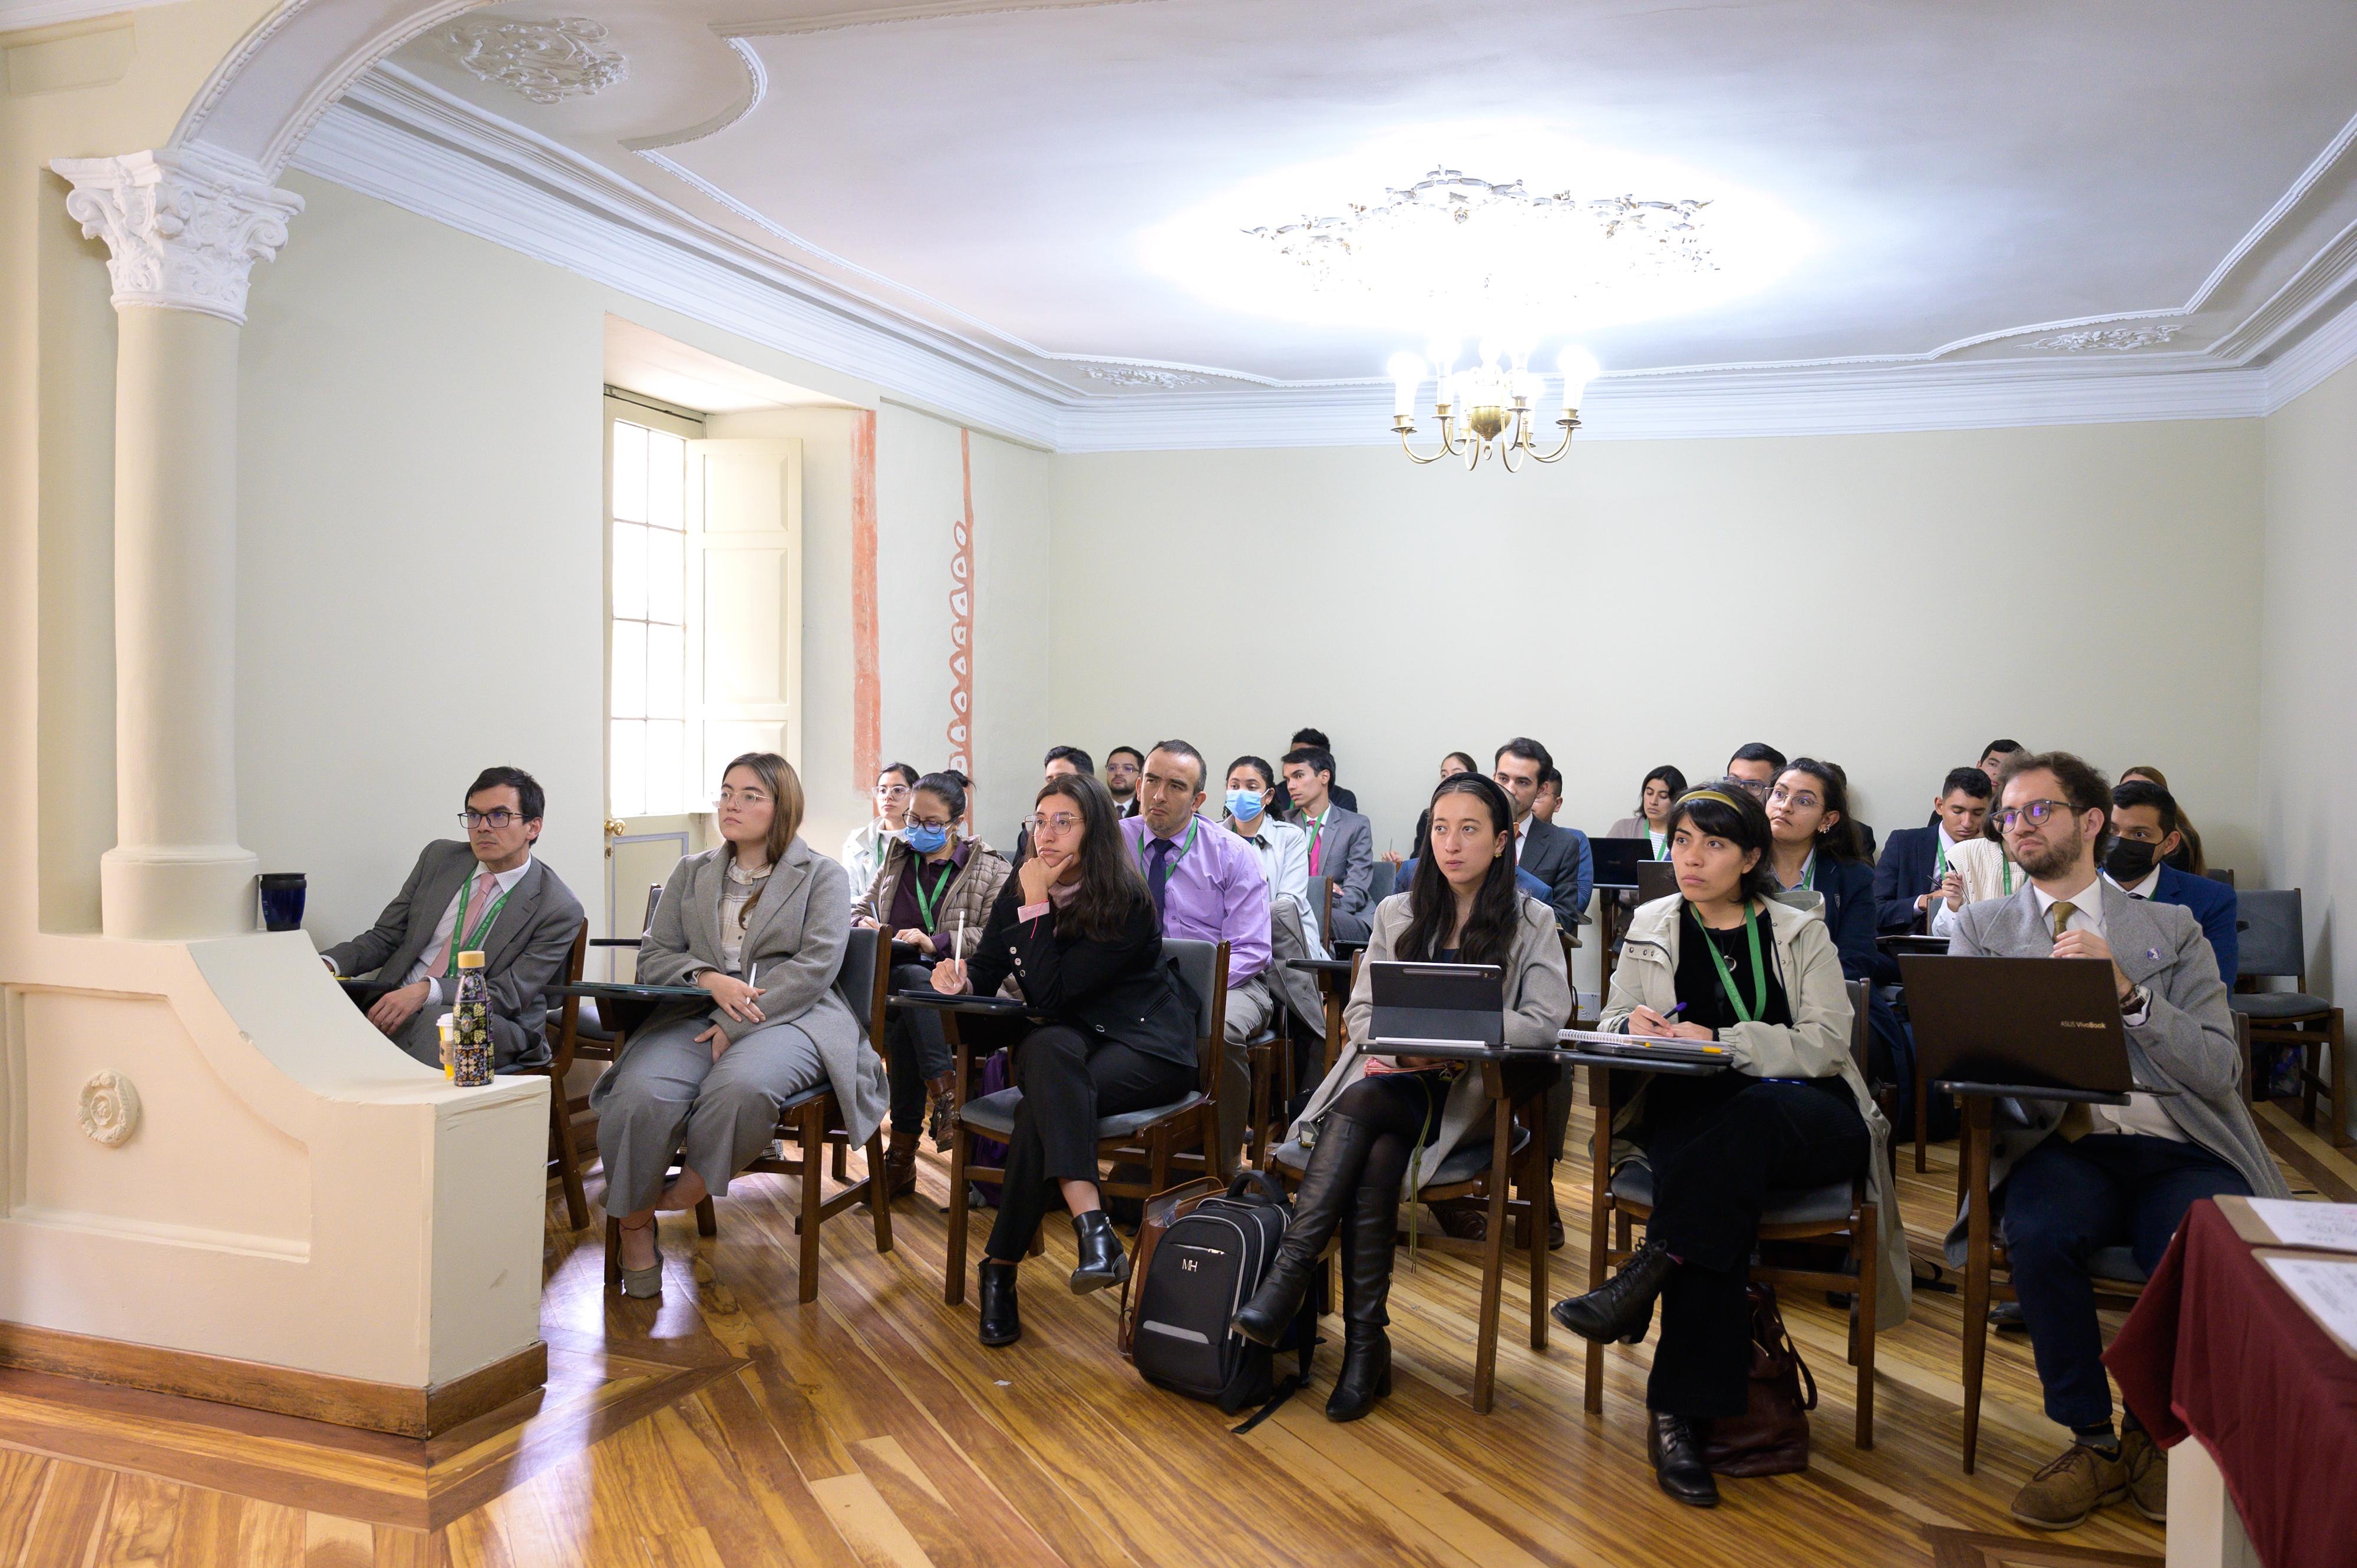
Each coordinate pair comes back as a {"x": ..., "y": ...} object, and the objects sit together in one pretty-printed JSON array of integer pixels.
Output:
[
  {"x": 1346, "y": 857},
  {"x": 2185, "y": 1042},
  {"x": 522, "y": 954},
  {"x": 793, "y": 947},
  {"x": 1553, "y": 855}
]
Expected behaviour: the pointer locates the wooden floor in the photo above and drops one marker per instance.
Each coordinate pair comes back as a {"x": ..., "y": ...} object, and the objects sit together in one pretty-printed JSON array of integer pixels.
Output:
[{"x": 725, "y": 1424}]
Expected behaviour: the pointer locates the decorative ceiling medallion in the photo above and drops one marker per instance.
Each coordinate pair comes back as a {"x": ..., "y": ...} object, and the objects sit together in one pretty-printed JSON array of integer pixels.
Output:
[
  {"x": 110, "y": 1108},
  {"x": 2118, "y": 338},
  {"x": 544, "y": 61},
  {"x": 1453, "y": 236},
  {"x": 1140, "y": 376}
]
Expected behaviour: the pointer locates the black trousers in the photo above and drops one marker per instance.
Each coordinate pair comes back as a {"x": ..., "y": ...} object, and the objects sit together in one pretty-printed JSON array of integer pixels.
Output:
[
  {"x": 1720, "y": 1148},
  {"x": 1069, "y": 1079},
  {"x": 915, "y": 1049},
  {"x": 1403, "y": 1111}
]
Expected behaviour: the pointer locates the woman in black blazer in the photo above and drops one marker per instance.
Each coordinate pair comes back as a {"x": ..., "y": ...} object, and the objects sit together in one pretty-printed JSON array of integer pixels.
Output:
[{"x": 1077, "y": 929}]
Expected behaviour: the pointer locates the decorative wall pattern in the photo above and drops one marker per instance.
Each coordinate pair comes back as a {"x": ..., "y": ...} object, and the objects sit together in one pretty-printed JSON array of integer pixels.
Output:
[
  {"x": 866, "y": 677},
  {"x": 544, "y": 61},
  {"x": 961, "y": 730}
]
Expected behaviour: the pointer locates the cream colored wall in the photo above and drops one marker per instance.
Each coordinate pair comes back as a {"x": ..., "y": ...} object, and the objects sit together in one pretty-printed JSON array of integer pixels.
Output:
[
  {"x": 1888, "y": 602},
  {"x": 2309, "y": 667}
]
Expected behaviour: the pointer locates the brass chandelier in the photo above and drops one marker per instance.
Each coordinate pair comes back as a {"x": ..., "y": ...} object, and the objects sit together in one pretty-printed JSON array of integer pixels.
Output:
[{"x": 1489, "y": 407}]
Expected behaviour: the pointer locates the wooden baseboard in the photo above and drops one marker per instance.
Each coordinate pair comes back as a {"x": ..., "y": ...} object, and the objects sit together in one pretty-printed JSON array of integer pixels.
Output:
[{"x": 285, "y": 1391}]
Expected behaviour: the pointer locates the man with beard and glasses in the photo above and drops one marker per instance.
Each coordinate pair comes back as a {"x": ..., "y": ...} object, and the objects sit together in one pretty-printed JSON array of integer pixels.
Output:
[{"x": 2071, "y": 1178}]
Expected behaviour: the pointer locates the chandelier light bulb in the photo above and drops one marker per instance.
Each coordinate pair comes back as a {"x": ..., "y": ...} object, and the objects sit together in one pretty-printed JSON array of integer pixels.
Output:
[
  {"x": 1579, "y": 367},
  {"x": 1406, "y": 370}
]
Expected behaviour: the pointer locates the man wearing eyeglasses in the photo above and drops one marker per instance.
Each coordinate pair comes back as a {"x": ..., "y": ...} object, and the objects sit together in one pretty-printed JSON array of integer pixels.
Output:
[
  {"x": 487, "y": 894},
  {"x": 2071, "y": 1178}
]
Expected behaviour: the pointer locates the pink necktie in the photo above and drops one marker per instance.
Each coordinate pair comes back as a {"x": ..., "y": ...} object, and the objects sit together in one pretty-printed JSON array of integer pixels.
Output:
[{"x": 485, "y": 888}]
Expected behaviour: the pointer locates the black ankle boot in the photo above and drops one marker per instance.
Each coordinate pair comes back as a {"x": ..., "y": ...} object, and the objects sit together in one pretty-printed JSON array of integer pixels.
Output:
[
  {"x": 1001, "y": 1324},
  {"x": 1103, "y": 1263},
  {"x": 1366, "y": 1374},
  {"x": 1623, "y": 1306},
  {"x": 1328, "y": 1189},
  {"x": 1675, "y": 1445}
]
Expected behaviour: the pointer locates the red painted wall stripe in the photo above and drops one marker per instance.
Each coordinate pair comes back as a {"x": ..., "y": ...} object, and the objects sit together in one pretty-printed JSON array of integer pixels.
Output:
[
  {"x": 961, "y": 731},
  {"x": 867, "y": 682}
]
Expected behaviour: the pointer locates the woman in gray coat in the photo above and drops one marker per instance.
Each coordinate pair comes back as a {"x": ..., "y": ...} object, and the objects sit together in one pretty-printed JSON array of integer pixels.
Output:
[
  {"x": 761, "y": 923},
  {"x": 1382, "y": 1122}
]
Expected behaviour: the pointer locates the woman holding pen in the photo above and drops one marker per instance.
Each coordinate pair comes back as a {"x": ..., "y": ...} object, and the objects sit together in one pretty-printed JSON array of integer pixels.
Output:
[
  {"x": 1723, "y": 959},
  {"x": 932, "y": 892},
  {"x": 1077, "y": 932}
]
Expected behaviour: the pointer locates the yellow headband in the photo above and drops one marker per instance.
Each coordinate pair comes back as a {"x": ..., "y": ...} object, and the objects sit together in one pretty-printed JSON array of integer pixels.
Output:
[{"x": 1726, "y": 800}]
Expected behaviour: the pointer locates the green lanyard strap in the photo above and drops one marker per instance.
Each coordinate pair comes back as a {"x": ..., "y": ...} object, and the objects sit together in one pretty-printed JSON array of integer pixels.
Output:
[
  {"x": 925, "y": 900},
  {"x": 460, "y": 942},
  {"x": 1752, "y": 1013},
  {"x": 1172, "y": 865}
]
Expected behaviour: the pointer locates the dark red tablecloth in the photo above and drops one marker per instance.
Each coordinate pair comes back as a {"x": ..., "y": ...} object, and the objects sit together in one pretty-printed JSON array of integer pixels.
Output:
[{"x": 2218, "y": 1349}]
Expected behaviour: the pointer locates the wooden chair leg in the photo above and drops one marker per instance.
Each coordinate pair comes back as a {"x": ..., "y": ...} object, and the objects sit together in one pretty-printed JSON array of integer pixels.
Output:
[
  {"x": 707, "y": 1219},
  {"x": 1600, "y": 1222},
  {"x": 1493, "y": 1256},
  {"x": 1922, "y": 1120},
  {"x": 1980, "y": 1233},
  {"x": 810, "y": 1131},
  {"x": 1862, "y": 1307},
  {"x": 1538, "y": 1199},
  {"x": 954, "y": 1272},
  {"x": 1039, "y": 1237},
  {"x": 843, "y": 1165},
  {"x": 613, "y": 1253},
  {"x": 568, "y": 1158},
  {"x": 877, "y": 1203},
  {"x": 2337, "y": 1043}
]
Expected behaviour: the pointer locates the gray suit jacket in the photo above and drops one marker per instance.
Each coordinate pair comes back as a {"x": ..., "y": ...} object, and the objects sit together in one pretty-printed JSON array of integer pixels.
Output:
[
  {"x": 1346, "y": 857},
  {"x": 2185, "y": 1042},
  {"x": 792, "y": 948},
  {"x": 523, "y": 953}
]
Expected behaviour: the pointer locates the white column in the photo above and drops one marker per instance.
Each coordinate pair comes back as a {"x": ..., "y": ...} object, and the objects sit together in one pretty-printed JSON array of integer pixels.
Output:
[{"x": 183, "y": 233}]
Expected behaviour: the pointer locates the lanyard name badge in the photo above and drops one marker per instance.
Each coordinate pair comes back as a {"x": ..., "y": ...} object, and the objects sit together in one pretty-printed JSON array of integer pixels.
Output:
[
  {"x": 1170, "y": 865},
  {"x": 459, "y": 941},
  {"x": 1750, "y": 1014},
  {"x": 925, "y": 902}
]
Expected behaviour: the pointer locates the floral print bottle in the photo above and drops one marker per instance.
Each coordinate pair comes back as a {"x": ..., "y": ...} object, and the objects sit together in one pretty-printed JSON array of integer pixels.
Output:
[{"x": 472, "y": 1014}]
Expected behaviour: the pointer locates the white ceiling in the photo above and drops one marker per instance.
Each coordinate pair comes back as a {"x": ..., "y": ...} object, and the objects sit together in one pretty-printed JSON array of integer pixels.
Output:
[{"x": 999, "y": 182}]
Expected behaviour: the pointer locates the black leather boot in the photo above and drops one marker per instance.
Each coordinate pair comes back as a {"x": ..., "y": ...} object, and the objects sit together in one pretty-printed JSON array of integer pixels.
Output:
[
  {"x": 1366, "y": 1374},
  {"x": 1001, "y": 1324},
  {"x": 1675, "y": 1445},
  {"x": 1328, "y": 1189},
  {"x": 1103, "y": 1263},
  {"x": 1623, "y": 1306}
]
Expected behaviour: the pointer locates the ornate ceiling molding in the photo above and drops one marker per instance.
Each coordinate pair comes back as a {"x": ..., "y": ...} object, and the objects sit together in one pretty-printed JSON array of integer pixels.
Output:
[
  {"x": 543, "y": 61},
  {"x": 179, "y": 234},
  {"x": 2116, "y": 338}
]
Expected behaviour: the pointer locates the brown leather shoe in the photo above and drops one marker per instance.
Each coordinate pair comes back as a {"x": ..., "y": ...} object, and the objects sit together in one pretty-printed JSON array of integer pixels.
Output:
[
  {"x": 901, "y": 1163},
  {"x": 2146, "y": 1464},
  {"x": 2072, "y": 1486},
  {"x": 1462, "y": 1220}
]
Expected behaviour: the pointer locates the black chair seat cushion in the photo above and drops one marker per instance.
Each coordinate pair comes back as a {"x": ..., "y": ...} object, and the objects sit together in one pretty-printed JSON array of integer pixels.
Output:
[
  {"x": 2266, "y": 1005},
  {"x": 1467, "y": 1161},
  {"x": 994, "y": 1114}
]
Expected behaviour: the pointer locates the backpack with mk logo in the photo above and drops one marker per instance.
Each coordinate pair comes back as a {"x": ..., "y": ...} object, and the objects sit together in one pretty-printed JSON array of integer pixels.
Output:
[{"x": 1205, "y": 1266}]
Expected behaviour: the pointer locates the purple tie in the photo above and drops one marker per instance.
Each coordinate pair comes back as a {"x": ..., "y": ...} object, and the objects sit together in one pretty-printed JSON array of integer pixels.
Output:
[{"x": 1158, "y": 873}]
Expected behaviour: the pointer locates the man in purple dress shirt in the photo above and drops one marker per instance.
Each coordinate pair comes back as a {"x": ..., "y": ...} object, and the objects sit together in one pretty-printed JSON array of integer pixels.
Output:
[{"x": 1207, "y": 884}]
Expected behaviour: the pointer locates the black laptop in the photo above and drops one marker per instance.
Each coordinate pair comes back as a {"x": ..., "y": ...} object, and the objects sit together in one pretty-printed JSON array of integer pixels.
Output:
[
  {"x": 1617, "y": 859},
  {"x": 1438, "y": 1004},
  {"x": 2032, "y": 1022},
  {"x": 1655, "y": 880}
]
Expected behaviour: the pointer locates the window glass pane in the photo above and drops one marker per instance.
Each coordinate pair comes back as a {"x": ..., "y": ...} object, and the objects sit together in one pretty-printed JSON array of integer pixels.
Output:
[
  {"x": 666, "y": 677},
  {"x": 666, "y": 790},
  {"x": 630, "y": 689},
  {"x": 626, "y": 781},
  {"x": 631, "y": 471},
  {"x": 666, "y": 573},
  {"x": 630, "y": 571},
  {"x": 666, "y": 480}
]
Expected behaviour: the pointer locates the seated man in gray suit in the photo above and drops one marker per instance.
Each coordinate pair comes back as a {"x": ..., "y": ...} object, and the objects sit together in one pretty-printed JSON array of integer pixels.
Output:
[
  {"x": 1341, "y": 841},
  {"x": 511, "y": 906},
  {"x": 2072, "y": 1178},
  {"x": 1557, "y": 856}
]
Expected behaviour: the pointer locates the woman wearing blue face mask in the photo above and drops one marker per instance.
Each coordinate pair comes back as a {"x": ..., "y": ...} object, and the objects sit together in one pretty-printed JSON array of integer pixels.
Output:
[
  {"x": 934, "y": 892},
  {"x": 1284, "y": 848}
]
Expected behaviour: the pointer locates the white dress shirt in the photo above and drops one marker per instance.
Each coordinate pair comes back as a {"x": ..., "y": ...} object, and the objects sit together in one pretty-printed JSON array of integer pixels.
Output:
[
  {"x": 2142, "y": 1114},
  {"x": 437, "y": 993},
  {"x": 1283, "y": 851}
]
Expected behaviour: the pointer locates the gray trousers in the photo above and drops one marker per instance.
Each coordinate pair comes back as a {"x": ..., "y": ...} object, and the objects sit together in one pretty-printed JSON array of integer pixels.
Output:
[
  {"x": 1251, "y": 1005},
  {"x": 667, "y": 1089}
]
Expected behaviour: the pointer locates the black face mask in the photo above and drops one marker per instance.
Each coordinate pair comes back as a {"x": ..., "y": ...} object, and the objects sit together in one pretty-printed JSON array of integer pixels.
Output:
[{"x": 2130, "y": 861}]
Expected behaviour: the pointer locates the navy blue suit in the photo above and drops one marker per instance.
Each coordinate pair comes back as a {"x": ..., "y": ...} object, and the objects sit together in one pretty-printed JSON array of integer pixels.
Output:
[
  {"x": 1903, "y": 876},
  {"x": 2215, "y": 905}
]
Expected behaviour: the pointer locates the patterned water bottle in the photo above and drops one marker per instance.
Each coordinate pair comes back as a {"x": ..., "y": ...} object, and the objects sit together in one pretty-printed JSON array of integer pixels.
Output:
[{"x": 472, "y": 1014}]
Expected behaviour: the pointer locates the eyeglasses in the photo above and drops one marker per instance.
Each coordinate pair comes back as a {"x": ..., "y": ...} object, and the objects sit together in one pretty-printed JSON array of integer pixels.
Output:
[
  {"x": 2036, "y": 811},
  {"x": 1755, "y": 788},
  {"x": 1059, "y": 825},
  {"x": 498, "y": 817},
  {"x": 891, "y": 792},
  {"x": 917, "y": 822},
  {"x": 1800, "y": 799}
]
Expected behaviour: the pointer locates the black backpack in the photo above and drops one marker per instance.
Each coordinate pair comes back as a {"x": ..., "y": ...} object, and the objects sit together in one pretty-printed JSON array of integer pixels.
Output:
[{"x": 1206, "y": 1266}]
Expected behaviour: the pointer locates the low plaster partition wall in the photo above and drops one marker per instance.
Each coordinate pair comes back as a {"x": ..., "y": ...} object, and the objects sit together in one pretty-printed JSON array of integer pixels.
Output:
[{"x": 221, "y": 1181}]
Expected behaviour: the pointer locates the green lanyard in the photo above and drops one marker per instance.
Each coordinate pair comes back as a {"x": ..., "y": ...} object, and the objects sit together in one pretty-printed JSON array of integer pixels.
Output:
[
  {"x": 924, "y": 903},
  {"x": 1940, "y": 867},
  {"x": 1808, "y": 875},
  {"x": 458, "y": 927},
  {"x": 1172, "y": 865},
  {"x": 1317, "y": 831},
  {"x": 2008, "y": 874},
  {"x": 1759, "y": 970}
]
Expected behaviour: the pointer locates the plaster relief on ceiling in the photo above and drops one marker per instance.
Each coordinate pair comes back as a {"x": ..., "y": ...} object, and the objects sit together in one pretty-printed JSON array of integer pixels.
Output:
[
  {"x": 544, "y": 61},
  {"x": 1139, "y": 376},
  {"x": 2118, "y": 338}
]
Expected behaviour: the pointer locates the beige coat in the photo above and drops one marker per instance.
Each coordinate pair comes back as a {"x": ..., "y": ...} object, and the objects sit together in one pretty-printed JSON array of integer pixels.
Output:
[
  {"x": 1815, "y": 1044},
  {"x": 1538, "y": 1005}
]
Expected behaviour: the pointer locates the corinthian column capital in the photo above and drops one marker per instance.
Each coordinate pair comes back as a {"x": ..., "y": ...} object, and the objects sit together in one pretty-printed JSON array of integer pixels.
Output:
[{"x": 182, "y": 232}]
